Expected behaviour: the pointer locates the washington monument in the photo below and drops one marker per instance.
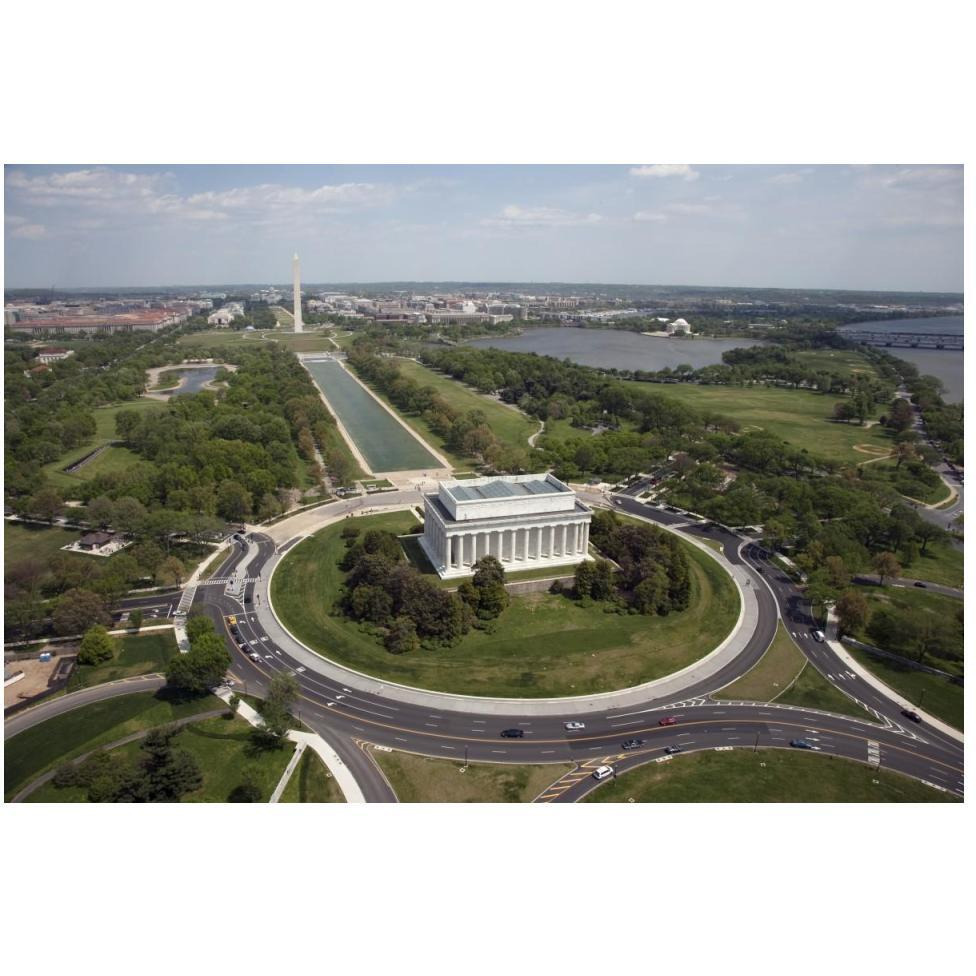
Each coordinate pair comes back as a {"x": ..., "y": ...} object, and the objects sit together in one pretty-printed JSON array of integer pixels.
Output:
[{"x": 296, "y": 284}]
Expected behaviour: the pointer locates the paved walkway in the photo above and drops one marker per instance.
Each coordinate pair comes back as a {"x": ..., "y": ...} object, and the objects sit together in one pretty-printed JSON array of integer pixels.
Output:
[
  {"x": 670, "y": 687},
  {"x": 345, "y": 779}
]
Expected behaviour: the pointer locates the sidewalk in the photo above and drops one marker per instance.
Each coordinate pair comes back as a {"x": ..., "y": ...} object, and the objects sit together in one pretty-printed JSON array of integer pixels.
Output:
[
  {"x": 345, "y": 779},
  {"x": 896, "y": 696},
  {"x": 669, "y": 688}
]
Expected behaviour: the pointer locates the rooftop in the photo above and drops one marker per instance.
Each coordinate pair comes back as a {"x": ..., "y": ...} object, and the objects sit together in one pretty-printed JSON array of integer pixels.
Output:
[{"x": 497, "y": 488}]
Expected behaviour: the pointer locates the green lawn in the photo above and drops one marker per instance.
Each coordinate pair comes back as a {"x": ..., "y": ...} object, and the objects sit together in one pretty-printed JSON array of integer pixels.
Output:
[
  {"x": 37, "y": 749},
  {"x": 22, "y": 540},
  {"x": 283, "y": 316},
  {"x": 311, "y": 782},
  {"x": 781, "y": 663},
  {"x": 104, "y": 434},
  {"x": 767, "y": 776},
  {"x": 842, "y": 361},
  {"x": 919, "y": 603},
  {"x": 941, "y": 697},
  {"x": 938, "y": 564},
  {"x": 510, "y": 426},
  {"x": 224, "y": 750},
  {"x": 800, "y": 417},
  {"x": 544, "y": 645},
  {"x": 419, "y": 779},
  {"x": 134, "y": 654},
  {"x": 886, "y": 473},
  {"x": 812, "y": 690},
  {"x": 302, "y": 342}
]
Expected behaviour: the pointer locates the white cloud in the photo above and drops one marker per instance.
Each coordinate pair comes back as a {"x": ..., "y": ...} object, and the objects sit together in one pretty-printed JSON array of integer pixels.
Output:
[
  {"x": 790, "y": 177},
  {"x": 29, "y": 232},
  {"x": 126, "y": 196},
  {"x": 516, "y": 216},
  {"x": 662, "y": 170},
  {"x": 650, "y": 216}
]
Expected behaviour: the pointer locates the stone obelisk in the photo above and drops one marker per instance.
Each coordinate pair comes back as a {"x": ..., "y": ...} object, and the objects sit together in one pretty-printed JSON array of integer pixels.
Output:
[{"x": 296, "y": 284}]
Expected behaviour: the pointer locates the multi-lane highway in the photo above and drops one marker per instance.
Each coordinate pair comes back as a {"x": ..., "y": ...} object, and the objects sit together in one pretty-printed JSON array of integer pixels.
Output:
[{"x": 349, "y": 716}]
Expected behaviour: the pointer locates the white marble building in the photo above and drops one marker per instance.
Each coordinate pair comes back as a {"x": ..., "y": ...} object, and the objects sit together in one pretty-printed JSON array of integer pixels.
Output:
[{"x": 526, "y": 521}]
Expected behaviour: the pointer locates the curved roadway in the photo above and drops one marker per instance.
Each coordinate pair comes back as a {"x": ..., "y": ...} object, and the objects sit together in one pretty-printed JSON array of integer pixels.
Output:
[{"x": 349, "y": 717}]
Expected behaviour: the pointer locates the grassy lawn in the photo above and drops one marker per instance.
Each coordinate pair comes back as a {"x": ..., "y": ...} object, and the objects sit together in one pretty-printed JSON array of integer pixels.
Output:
[
  {"x": 545, "y": 645},
  {"x": 812, "y": 690},
  {"x": 311, "y": 782},
  {"x": 283, "y": 316},
  {"x": 919, "y": 603},
  {"x": 781, "y": 663},
  {"x": 941, "y": 697},
  {"x": 104, "y": 434},
  {"x": 224, "y": 751},
  {"x": 36, "y": 750},
  {"x": 841, "y": 361},
  {"x": 22, "y": 540},
  {"x": 799, "y": 417},
  {"x": 302, "y": 342},
  {"x": 510, "y": 426},
  {"x": 419, "y": 779},
  {"x": 767, "y": 776},
  {"x": 134, "y": 654},
  {"x": 938, "y": 564}
]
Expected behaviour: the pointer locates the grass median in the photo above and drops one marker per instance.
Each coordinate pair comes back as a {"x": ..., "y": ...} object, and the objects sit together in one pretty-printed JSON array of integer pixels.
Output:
[
  {"x": 311, "y": 782},
  {"x": 544, "y": 645},
  {"x": 766, "y": 776},
  {"x": 133, "y": 654},
  {"x": 420, "y": 779}
]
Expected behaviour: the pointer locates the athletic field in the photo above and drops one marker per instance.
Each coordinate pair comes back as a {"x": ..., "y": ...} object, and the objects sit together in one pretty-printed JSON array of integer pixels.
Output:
[{"x": 381, "y": 439}]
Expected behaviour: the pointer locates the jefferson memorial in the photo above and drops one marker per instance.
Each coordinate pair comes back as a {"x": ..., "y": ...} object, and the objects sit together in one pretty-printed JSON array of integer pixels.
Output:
[{"x": 526, "y": 521}]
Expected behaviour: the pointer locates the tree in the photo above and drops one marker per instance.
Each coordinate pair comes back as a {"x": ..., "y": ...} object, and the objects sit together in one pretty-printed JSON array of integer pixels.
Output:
[
  {"x": 926, "y": 532},
  {"x": 886, "y": 566},
  {"x": 602, "y": 587},
  {"x": 489, "y": 581},
  {"x": 248, "y": 790},
  {"x": 852, "y": 611},
  {"x": 277, "y": 705},
  {"x": 197, "y": 625},
  {"x": 129, "y": 514},
  {"x": 402, "y": 636},
  {"x": 170, "y": 571},
  {"x": 584, "y": 579},
  {"x": 233, "y": 501},
  {"x": 101, "y": 511},
  {"x": 167, "y": 773},
  {"x": 904, "y": 452},
  {"x": 838, "y": 574},
  {"x": 46, "y": 504},
  {"x": 201, "y": 668},
  {"x": 844, "y": 411},
  {"x": 96, "y": 646},
  {"x": 77, "y": 610}
]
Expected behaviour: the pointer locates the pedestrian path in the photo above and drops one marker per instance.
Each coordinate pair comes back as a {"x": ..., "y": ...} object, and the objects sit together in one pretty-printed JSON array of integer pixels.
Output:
[
  {"x": 186, "y": 600},
  {"x": 339, "y": 770},
  {"x": 287, "y": 774}
]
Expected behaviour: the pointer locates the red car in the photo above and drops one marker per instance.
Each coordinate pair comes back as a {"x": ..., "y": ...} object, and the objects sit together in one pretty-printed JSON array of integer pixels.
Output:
[{"x": 668, "y": 720}]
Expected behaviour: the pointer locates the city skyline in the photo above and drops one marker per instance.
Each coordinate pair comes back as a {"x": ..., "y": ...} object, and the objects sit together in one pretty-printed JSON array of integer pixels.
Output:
[{"x": 839, "y": 227}]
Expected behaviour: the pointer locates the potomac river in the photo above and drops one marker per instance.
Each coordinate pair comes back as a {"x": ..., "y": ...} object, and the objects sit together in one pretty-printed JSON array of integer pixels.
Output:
[
  {"x": 946, "y": 364},
  {"x": 616, "y": 349}
]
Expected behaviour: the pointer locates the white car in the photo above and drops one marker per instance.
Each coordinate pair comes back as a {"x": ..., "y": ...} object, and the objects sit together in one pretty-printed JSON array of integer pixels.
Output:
[
  {"x": 254, "y": 656},
  {"x": 819, "y": 636},
  {"x": 574, "y": 726},
  {"x": 602, "y": 772}
]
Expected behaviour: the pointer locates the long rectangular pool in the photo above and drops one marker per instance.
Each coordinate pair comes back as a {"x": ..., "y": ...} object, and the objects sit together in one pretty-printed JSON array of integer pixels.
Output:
[{"x": 381, "y": 439}]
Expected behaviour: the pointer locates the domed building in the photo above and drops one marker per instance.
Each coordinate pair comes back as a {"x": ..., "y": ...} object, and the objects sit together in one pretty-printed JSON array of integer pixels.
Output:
[{"x": 679, "y": 325}]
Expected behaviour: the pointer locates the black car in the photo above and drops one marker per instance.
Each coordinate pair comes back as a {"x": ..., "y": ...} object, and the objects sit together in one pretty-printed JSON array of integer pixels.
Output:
[
  {"x": 671, "y": 750},
  {"x": 912, "y": 716},
  {"x": 512, "y": 733},
  {"x": 632, "y": 744},
  {"x": 920, "y": 584},
  {"x": 801, "y": 744}
]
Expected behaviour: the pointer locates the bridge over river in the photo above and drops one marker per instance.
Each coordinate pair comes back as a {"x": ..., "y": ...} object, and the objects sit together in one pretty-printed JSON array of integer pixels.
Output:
[{"x": 907, "y": 340}]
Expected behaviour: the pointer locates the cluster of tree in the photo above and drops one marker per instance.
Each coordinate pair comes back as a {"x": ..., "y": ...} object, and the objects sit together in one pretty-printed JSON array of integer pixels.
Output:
[
  {"x": 465, "y": 433},
  {"x": 203, "y": 667},
  {"x": 48, "y": 411},
  {"x": 902, "y": 630},
  {"x": 385, "y": 591},
  {"x": 96, "y": 646},
  {"x": 162, "y": 773},
  {"x": 276, "y": 714},
  {"x": 653, "y": 574}
]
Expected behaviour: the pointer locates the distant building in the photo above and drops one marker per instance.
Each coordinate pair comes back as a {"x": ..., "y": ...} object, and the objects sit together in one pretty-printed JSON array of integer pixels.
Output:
[
  {"x": 53, "y": 354},
  {"x": 678, "y": 325},
  {"x": 95, "y": 540},
  {"x": 526, "y": 521}
]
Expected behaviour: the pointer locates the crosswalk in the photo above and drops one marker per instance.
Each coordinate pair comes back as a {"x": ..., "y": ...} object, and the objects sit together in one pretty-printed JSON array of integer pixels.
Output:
[
  {"x": 186, "y": 601},
  {"x": 229, "y": 582}
]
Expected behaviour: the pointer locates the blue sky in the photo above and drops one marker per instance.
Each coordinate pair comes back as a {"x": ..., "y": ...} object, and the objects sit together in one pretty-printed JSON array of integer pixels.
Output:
[{"x": 873, "y": 227}]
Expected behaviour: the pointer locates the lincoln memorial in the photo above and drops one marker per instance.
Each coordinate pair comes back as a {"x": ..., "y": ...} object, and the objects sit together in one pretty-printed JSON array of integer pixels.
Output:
[{"x": 526, "y": 521}]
